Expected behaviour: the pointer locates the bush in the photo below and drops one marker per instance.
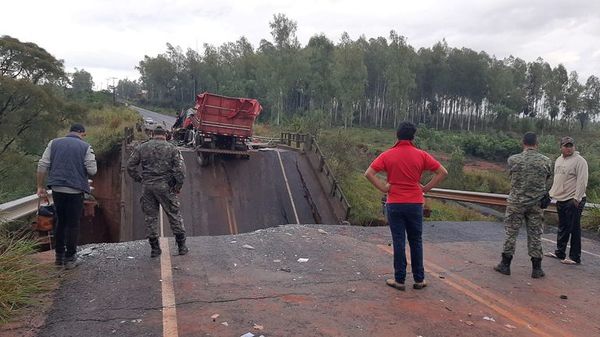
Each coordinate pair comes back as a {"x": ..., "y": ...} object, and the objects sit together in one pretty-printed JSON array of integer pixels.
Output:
[{"x": 20, "y": 276}]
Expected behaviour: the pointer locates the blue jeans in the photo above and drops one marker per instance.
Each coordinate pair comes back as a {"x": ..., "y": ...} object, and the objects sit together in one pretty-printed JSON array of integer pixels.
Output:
[{"x": 406, "y": 220}]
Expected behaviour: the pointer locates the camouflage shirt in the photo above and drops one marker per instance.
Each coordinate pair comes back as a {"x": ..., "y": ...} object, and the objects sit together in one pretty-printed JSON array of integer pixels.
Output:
[
  {"x": 530, "y": 175},
  {"x": 161, "y": 163}
]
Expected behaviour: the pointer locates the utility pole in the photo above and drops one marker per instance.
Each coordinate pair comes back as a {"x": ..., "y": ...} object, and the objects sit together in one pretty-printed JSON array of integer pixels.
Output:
[{"x": 113, "y": 90}]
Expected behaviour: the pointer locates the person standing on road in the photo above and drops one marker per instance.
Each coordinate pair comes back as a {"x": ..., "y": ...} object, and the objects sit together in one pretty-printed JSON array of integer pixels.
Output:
[
  {"x": 530, "y": 174},
  {"x": 68, "y": 162},
  {"x": 162, "y": 175},
  {"x": 404, "y": 164},
  {"x": 570, "y": 183}
]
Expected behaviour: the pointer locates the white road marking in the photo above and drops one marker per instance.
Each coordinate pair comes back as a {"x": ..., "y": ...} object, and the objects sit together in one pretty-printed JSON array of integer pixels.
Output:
[
  {"x": 288, "y": 188},
  {"x": 169, "y": 310},
  {"x": 583, "y": 251}
]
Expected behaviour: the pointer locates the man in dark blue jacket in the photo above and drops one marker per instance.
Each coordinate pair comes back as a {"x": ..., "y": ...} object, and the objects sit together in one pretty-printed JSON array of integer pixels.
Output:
[{"x": 68, "y": 162}]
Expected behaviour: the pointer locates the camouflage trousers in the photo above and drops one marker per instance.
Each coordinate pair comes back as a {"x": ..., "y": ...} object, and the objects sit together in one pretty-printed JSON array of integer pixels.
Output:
[
  {"x": 153, "y": 196},
  {"x": 532, "y": 217}
]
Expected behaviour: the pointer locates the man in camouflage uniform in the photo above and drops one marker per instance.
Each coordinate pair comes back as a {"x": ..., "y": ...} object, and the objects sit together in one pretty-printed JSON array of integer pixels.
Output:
[
  {"x": 530, "y": 175},
  {"x": 163, "y": 172}
]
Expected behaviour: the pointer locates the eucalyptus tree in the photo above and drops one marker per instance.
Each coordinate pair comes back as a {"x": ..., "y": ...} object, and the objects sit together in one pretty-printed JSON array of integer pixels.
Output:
[
  {"x": 320, "y": 58},
  {"x": 399, "y": 75},
  {"x": 81, "y": 81},
  {"x": 376, "y": 61},
  {"x": 285, "y": 60},
  {"x": 158, "y": 77},
  {"x": 128, "y": 90},
  {"x": 432, "y": 79},
  {"x": 555, "y": 90},
  {"x": 573, "y": 102},
  {"x": 590, "y": 100},
  {"x": 350, "y": 77},
  {"x": 536, "y": 77}
]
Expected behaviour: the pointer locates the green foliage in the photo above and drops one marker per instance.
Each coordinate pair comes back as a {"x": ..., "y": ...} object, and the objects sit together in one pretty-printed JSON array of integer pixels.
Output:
[
  {"x": 450, "y": 211},
  {"x": 104, "y": 128},
  {"x": 20, "y": 276},
  {"x": 81, "y": 81},
  {"x": 364, "y": 198},
  {"x": 591, "y": 219},
  {"x": 490, "y": 147},
  {"x": 456, "y": 173}
]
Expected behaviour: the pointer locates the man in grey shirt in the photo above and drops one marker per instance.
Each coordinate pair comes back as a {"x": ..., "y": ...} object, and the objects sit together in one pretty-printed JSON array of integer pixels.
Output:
[{"x": 68, "y": 161}]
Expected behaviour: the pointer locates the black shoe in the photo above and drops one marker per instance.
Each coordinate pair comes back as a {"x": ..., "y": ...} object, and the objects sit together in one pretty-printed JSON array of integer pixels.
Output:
[
  {"x": 60, "y": 259},
  {"x": 72, "y": 262},
  {"x": 155, "y": 247},
  {"x": 182, "y": 248},
  {"x": 536, "y": 263},
  {"x": 504, "y": 266}
]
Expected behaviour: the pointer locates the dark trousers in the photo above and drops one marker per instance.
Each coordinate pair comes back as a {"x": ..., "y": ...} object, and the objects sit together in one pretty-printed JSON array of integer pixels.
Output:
[
  {"x": 69, "y": 208},
  {"x": 569, "y": 227},
  {"x": 406, "y": 221}
]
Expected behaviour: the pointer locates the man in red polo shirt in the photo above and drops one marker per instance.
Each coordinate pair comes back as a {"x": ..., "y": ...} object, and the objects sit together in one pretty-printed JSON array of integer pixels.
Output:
[{"x": 404, "y": 164}]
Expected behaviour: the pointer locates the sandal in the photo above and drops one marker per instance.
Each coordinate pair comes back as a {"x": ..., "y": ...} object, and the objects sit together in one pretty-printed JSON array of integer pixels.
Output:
[
  {"x": 397, "y": 285},
  {"x": 551, "y": 254},
  {"x": 568, "y": 261}
]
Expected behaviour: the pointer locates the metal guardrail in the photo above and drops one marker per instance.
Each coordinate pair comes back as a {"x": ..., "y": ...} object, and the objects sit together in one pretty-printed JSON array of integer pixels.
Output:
[
  {"x": 484, "y": 198},
  {"x": 19, "y": 208},
  {"x": 309, "y": 143}
]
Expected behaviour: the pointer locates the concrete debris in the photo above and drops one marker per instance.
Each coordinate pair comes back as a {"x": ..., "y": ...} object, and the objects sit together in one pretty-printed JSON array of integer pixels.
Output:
[
  {"x": 351, "y": 290},
  {"x": 87, "y": 251},
  {"x": 233, "y": 241},
  {"x": 510, "y": 326},
  {"x": 248, "y": 247},
  {"x": 225, "y": 324},
  {"x": 322, "y": 231},
  {"x": 469, "y": 323},
  {"x": 247, "y": 334},
  {"x": 258, "y": 327},
  {"x": 214, "y": 317},
  {"x": 303, "y": 259},
  {"x": 491, "y": 319}
]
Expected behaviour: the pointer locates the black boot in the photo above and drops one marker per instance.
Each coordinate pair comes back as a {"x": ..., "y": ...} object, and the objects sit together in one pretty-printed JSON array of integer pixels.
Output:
[
  {"x": 155, "y": 246},
  {"x": 60, "y": 259},
  {"x": 183, "y": 249},
  {"x": 536, "y": 263},
  {"x": 504, "y": 266}
]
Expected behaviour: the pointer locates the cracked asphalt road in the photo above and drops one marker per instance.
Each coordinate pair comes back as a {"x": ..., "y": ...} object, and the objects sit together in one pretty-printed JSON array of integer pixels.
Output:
[{"x": 339, "y": 291}]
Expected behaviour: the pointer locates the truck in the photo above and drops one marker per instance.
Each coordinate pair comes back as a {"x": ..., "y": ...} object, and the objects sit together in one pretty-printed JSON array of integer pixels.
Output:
[{"x": 218, "y": 125}]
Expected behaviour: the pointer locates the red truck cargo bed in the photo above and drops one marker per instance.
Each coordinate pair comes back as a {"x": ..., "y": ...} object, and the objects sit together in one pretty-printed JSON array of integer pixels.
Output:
[{"x": 227, "y": 116}]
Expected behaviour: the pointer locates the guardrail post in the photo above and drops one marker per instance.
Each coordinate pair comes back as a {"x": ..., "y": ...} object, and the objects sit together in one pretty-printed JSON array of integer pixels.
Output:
[
  {"x": 321, "y": 162},
  {"x": 333, "y": 188}
]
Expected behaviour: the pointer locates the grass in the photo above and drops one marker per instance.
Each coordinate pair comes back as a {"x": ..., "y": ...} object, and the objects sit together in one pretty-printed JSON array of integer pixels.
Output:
[
  {"x": 21, "y": 278},
  {"x": 105, "y": 127}
]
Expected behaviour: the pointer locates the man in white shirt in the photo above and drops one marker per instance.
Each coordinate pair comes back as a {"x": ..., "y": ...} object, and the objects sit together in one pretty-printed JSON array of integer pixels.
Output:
[{"x": 568, "y": 189}]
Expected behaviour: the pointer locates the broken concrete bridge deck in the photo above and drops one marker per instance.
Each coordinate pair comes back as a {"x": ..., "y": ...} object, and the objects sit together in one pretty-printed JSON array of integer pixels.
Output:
[{"x": 317, "y": 280}]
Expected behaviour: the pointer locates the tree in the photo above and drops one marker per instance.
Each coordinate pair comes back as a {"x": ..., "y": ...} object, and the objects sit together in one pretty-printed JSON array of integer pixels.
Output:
[
  {"x": 590, "y": 101},
  {"x": 30, "y": 102},
  {"x": 81, "y": 81},
  {"x": 128, "y": 90},
  {"x": 351, "y": 77}
]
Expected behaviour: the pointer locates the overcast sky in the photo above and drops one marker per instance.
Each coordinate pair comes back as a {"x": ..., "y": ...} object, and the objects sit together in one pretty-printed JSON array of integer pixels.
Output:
[{"x": 108, "y": 38}]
